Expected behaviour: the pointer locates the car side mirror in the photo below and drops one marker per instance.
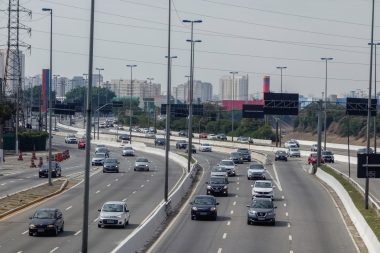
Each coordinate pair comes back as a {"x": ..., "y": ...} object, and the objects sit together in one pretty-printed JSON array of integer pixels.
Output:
[
  {"x": 99, "y": 210},
  {"x": 275, "y": 207},
  {"x": 217, "y": 203},
  {"x": 248, "y": 206}
]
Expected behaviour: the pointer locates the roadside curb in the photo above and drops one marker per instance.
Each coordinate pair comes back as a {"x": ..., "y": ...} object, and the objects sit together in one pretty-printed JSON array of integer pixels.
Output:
[
  {"x": 366, "y": 233},
  {"x": 63, "y": 186}
]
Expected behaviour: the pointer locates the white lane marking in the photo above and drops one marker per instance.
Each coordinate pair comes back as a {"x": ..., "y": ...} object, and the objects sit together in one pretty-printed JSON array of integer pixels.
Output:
[
  {"x": 228, "y": 223},
  {"x": 133, "y": 192},
  {"x": 19, "y": 252},
  {"x": 108, "y": 185},
  {"x": 3, "y": 184},
  {"x": 28, "y": 177},
  {"x": 238, "y": 178},
  {"x": 237, "y": 182},
  {"x": 290, "y": 237},
  {"x": 224, "y": 235},
  {"x": 234, "y": 203},
  {"x": 97, "y": 191},
  {"x": 20, "y": 179},
  {"x": 148, "y": 180},
  {"x": 236, "y": 196},
  {"x": 152, "y": 175},
  {"x": 237, "y": 188},
  {"x": 96, "y": 219},
  {"x": 11, "y": 181},
  {"x": 220, "y": 250},
  {"x": 288, "y": 225},
  {"x": 277, "y": 179},
  {"x": 285, "y": 204},
  {"x": 116, "y": 179},
  {"x": 124, "y": 200},
  {"x": 283, "y": 197},
  {"x": 291, "y": 251},
  {"x": 77, "y": 233},
  {"x": 23, "y": 233},
  {"x": 232, "y": 211},
  {"x": 51, "y": 251},
  {"x": 142, "y": 186},
  {"x": 68, "y": 208},
  {"x": 287, "y": 214}
]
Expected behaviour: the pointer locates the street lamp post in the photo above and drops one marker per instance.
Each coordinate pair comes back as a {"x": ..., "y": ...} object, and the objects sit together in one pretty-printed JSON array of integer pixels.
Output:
[
  {"x": 281, "y": 68},
  {"x": 326, "y": 59},
  {"x": 130, "y": 103},
  {"x": 375, "y": 95},
  {"x": 55, "y": 90},
  {"x": 190, "y": 123},
  {"x": 84, "y": 99},
  {"x": 150, "y": 79},
  {"x": 233, "y": 98},
  {"x": 98, "y": 105},
  {"x": 50, "y": 88}
]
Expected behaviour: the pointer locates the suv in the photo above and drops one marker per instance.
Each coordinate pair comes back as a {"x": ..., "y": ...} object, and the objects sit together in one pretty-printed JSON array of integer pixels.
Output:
[
  {"x": 217, "y": 185},
  {"x": 141, "y": 164},
  {"x": 205, "y": 147},
  {"x": 71, "y": 139},
  {"x": 160, "y": 142},
  {"x": 261, "y": 210},
  {"x": 218, "y": 171},
  {"x": 182, "y": 144},
  {"x": 204, "y": 206},
  {"x": 328, "y": 156},
  {"x": 263, "y": 189},
  {"x": 256, "y": 171},
  {"x": 236, "y": 157},
  {"x": 229, "y": 165},
  {"x": 99, "y": 158},
  {"x": 246, "y": 153},
  {"x": 294, "y": 152},
  {"x": 56, "y": 170},
  {"x": 221, "y": 137},
  {"x": 128, "y": 151},
  {"x": 114, "y": 213},
  {"x": 111, "y": 165}
]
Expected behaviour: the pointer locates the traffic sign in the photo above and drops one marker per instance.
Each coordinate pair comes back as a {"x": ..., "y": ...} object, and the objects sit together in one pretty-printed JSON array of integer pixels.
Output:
[{"x": 370, "y": 169}]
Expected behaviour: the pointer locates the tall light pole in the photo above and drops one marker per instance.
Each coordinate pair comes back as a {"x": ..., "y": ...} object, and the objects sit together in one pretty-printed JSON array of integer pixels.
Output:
[
  {"x": 50, "y": 88},
  {"x": 375, "y": 95},
  {"x": 98, "y": 105},
  {"x": 150, "y": 79},
  {"x": 84, "y": 99},
  {"x": 326, "y": 59},
  {"x": 233, "y": 99},
  {"x": 190, "y": 123},
  {"x": 55, "y": 90},
  {"x": 281, "y": 68},
  {"x": 188, "y": 87},
  {"x": 120, "y": 80},
  {"x": 130, "y": 102}
]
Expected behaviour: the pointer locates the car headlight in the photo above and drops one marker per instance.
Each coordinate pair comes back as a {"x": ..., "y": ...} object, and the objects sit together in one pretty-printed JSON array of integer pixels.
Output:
[
  {"x": 119, "y": 216},
  {"x": 225, "y": 187},
  {"x": 208, "y": 187},
  {"x": 50, "y": 226},
  {"x": 116, "y": 166},
  {"x": 194, "y": 208},
  {"x": 252, "y": 212},
  {"x": 32, "y": 226},
  {"x": 213, "y": 208}
]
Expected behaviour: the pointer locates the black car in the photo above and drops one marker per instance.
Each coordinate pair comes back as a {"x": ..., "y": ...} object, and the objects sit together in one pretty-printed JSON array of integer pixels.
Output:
[
  {"x": 111, "y": 165},
  {"x": 246, "y": 153},
  {"x": 217, "y": 185},
  {"x": 204, "y": 206},
  {"x": 236, "y": 157},
  {"x": 221, "y": 137},
  {"x": 281, "y": 155},
  {"x": 182, "y": 144},
  {"x": 193, "y": 149},
  {"x": 56, "y": 170},
  {"x": 328, "y": 156},
  {"x": 261, "y": 210},
  {"x": 160, "y": 142},
  {"x": 182, "y": 133},
  {"x": 46, "y": 220},
  {"x": 124, "y": 137}
]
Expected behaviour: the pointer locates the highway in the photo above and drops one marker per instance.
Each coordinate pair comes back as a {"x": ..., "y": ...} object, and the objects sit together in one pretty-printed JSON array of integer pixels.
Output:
[
  {"x": 142, "y": 190},
  {"x": 307, "y": 219}
]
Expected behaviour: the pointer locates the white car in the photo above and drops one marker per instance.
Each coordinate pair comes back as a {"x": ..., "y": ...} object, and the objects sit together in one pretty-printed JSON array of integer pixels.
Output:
[
  {"x": 218, "y": 171},
  {"x": 263, "y": 189},
  {"x": 294, "y": 152},
  {"x": 71, "y": 139},
  {"x": 292, "y": 144},
  {"x": 205, "y": 147},
  {"x": 212, "y": 137},
  {"x": 114, "y": 213},
  {"x": 150, "y": 135},
  {"x": 128, "y": 151},
  {"x": 99, "y": 158},
  {"x": 229, "y": 165}
]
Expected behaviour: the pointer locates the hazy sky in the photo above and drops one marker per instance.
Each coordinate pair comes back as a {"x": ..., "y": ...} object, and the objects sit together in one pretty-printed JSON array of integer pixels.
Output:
[{"x": 249, "y": 36}]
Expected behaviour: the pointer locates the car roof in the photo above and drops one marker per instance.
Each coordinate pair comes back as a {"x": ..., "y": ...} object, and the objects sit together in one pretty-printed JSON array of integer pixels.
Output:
[
  {"x": 115, "y": 202},
  {"x": 227, "y": 160},
  {"x": 48, "y": 209},
  {"x": 263, "y": 181},
  {"x": 204, "y": 196}
]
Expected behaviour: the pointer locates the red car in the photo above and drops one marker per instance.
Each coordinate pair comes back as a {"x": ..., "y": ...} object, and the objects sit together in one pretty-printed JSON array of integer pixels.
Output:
[
  {"x": 203, "y": 135},
  {"x": 313, "y": 157},
  {"x": 82, "y": 144}
]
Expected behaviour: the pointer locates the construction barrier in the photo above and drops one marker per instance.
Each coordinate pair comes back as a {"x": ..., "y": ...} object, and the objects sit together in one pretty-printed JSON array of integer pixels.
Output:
[
  {"x": 20, "y": 156},
  {"x": 40, "y": 163},
  {"x": 32, "y": 165},
  {"x": 34, "y": 155},
  {"x": 59, "y": 157}
]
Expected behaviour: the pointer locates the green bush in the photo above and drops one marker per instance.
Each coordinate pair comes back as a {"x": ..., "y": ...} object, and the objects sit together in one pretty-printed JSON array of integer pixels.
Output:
[{"x": 32, "y": 140}]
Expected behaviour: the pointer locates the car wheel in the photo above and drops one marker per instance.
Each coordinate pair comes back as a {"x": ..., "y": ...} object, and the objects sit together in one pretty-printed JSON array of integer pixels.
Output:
[
  {"x": 248, "y": 222},
  {"x": 99, "y": 226},
  {"x": 134, "y": 169},
  {"x": 39, "y": 176},
  {"x": 193, "y": 217},
  {"x": 117, "y": 171},
  {"x": 30, "y": 234},
  {"x": 332, "y": 161},
  {"x": 147, "y": 169},
  {"x": 275, "y": 159},
  {"x": 63, "y": 227},
  {"x": 125, "y": 224},
  {"x": 274, "y": 223},
  {"x": 56, "y": 231},
  {"x": 103, "y": 171},
  {"x": 214, "y": 217}
]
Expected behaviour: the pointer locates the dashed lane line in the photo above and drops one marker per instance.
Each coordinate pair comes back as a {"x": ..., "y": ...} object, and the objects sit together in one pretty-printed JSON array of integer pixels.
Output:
[
  {"x": 97, "y": 191},
  {"x": 133, "y": 192},
  {"x": 108, "y": 185},
  {"x": 142, "y": 186},
  {"x": 78, "y": 232},
  {"x": 234, "y": 204},
  {"x": 220, "y": 250},
  {"x": 228, "y": 223},
  {"x": 224, "y": 235},
  {"x": 51, "y": 251},
  {"x": 96, "y": 220},
  {"x": 232, "y": 212},
  {"x": 68, "y": 208},
  {"x": 23, "y": 233},
  {"x": 290, "y": 238}
]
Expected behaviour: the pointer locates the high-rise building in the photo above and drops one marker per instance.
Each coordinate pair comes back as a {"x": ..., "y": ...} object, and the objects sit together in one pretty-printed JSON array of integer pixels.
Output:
[
  {"x": 77, "y": 81},
  {"x": 240, "y": 88},
  {"x": 202, "y": 91}
]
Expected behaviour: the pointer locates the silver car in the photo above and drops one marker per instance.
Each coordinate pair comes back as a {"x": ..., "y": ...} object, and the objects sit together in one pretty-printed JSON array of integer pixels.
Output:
[
  {"x": 141, "y": 164},
  {"x": 256, "y": 171},
  {"x": 261, "y": 210},
  {"x": 128, "y": 151},
  {"x": 99, "y": 158},
  {"x": 114, "y": 213}
]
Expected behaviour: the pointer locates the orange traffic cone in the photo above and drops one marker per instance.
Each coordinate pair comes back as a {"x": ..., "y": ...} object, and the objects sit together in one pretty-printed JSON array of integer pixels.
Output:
[
  {"x": 20, "y": 156},
  {"x": 40, "y": 163},
  {"x": 32, "y": 165}
]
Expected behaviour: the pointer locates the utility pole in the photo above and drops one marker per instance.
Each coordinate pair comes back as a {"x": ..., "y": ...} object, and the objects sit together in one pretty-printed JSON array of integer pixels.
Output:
[
  {"x": 98, "y": 105},
  {"x": 326, "y": 59},
  {"x": 131, "y": 66},
  {"x": 281, "y": 68},
  {"x": 55, "y": 90},
  {"x": 375, "y": 95},
  {"x": 84, "y": 99},
  {"x": 233, "y": 99}
]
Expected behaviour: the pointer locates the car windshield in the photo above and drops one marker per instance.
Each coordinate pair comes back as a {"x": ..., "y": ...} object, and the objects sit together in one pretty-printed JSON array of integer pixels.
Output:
[
  {"x": 203, "y": 201},
  {"x": 112, "y": 208},
  {"x": 243, "y": 150},
  {"x": 281, "y": 152},
  {"x": 228, "y": 163},
  {"x": 205, "y": 145},
  {"x": 142, "y": 160},
  {"x": 256, "y": 167},
  {"x": 110, "y": 160},
  {"x": 100, "y": 155},
  {"x": 263, "y": 184},
  {"x": 217, "y": 180},
  {"x": 100, "y": 146},
  {"x": 44, "y": 214},
  {"x": 128, "y": 148},
  {"x": 218, "y": 169},
  {"x": 261, "y": 204},
  {"x": 327, "y": 153},
  {"x": 235, "y": 154},
  {"x": 294, "y": 149}
]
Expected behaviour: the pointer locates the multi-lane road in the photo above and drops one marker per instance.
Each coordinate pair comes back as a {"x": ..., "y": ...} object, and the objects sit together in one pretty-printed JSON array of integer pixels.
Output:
[{"x": 307, "y": 218}]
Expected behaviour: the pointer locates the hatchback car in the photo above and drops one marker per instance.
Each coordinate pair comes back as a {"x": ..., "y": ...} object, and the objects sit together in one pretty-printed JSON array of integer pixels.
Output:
[
  {"x": 160, "y": 141},
  {"x": 221, "y": 137},
  {"x": 204, "y": 206},
  {"x": 218, "y": 171},
  {"x": 71, "y": 139},
  {"x": 114, "y": 213},
  {"x": 205, "y": 147},
  {"x": 236, "y": 157},
  {"x": 230, "y": 167},
  {"x": 141, "y": 164},
  {"x": 281, "y": 155},
  {"x": 56, "y": 170},
  {"x": 46, "y": 220},
  {"x": 99, "y": 158},
  {"x": 82, "y": 144},
  {"x": 217, "y": 186},
  {"x": 128, "y": 151},
  {"x": 261, "y": 210},
  {"x": 256, "y": 171},
  {"x": 111, "y": 165},
  {"x": 294, "y": 152},
  {"x": 263, "y": 189},
  {"x": 124, "y": 137}
]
